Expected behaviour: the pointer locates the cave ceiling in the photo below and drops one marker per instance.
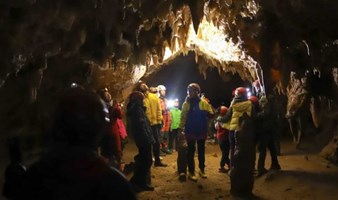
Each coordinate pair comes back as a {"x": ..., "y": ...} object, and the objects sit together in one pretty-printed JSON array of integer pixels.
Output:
[{"x": 127, "y": 40}]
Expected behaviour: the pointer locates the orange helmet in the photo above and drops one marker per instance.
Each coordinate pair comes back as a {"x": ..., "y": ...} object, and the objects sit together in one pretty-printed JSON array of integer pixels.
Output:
[
  {"x": 240, "y": 91},
  {"x": 223, "y": 110}
]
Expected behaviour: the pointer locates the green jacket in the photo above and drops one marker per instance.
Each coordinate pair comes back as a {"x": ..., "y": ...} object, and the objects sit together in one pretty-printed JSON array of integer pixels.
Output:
[{"x": 175, "y": 118}]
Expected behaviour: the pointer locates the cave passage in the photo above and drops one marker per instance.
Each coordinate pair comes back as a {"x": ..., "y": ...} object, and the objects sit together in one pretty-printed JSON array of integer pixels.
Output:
[{"x": 177, "y": 75}]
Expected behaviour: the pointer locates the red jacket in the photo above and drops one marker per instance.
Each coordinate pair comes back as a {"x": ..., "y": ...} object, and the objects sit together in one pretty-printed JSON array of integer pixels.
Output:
[{"x": 222, "y": 134}]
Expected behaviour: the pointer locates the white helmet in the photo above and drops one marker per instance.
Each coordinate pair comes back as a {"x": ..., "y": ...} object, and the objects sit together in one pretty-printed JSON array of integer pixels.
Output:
[{"x": 161, "y": 87}]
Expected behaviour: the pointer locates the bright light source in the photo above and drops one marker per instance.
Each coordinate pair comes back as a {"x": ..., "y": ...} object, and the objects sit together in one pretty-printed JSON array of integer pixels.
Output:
[
  {"x": 248, "y": 89},
  {"x": 73, "y": 85},
  {"x": 249, "y": 94},
  {"x": 170, "y": 103}
]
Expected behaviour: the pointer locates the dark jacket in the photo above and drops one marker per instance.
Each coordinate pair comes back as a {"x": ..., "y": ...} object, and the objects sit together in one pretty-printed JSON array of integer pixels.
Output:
[
  {"x": 265, "y": 121},
  {"x": 138, "y": 124}
]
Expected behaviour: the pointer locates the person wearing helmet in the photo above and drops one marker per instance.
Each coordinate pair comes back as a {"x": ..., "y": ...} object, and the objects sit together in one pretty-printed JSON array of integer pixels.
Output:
[
  {"x": 239, "y": 105},
  {"x": 164, "y": 132},
  {"x": 154, "y": 114},
  {"x": 242, "y": 161},
  {"x": 223, "y": 140},
  {"x": 194, "y": 121},
  {"x": 71, "y": 167},
  {"x": 110, "y": 143},
  {"x": 175, "y": 113},
  {"x": 106, "y": 96},
  {"x": 141, "y": 131}
]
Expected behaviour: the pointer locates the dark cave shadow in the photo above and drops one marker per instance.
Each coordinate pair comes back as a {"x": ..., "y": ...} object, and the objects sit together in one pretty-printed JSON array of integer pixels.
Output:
[
  {"x": 308, "y": 146},
  {"x": 319, "y": 177}
]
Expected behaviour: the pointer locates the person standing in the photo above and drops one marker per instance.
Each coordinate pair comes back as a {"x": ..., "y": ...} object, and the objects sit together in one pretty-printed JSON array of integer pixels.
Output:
[
  {"x": 265, "y": 124},
  {"x": 242, "y": 148},
  {"x": 164, "y": 132},
  {"x": 141, "y": 131},
  {"x": 239, "y": 105},
  {"x": 175, "y": 113},
  {"x": 154, "y": 115},
  {"x": 194, "y": 121},
  {"x": 110, "y": 143},
  {"x": 223, "y": 140}
]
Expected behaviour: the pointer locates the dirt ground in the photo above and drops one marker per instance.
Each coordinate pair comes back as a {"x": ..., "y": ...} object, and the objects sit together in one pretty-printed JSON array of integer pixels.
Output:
[{"x": 304, "y": 175}]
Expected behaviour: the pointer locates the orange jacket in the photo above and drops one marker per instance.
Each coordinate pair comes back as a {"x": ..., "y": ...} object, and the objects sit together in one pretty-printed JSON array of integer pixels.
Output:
[{"x": 166, "y": 115}]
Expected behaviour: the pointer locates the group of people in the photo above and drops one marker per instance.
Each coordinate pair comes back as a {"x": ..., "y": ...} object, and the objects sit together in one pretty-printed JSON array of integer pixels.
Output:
[
  {"x": 227, "y": 124},
  {"x": 74, "y": 168}
]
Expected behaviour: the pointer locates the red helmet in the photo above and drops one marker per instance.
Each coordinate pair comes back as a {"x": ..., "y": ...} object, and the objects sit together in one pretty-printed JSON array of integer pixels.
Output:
[
  {"x": 223, "y": 110},
  {"x": 254, "y": 99},
  {"x": 240, "y": 91}
]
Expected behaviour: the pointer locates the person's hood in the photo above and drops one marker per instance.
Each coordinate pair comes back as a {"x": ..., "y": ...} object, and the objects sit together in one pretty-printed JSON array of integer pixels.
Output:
[
  {"x": 239, "y": 99},
  {"x": 242, "y": 106}
]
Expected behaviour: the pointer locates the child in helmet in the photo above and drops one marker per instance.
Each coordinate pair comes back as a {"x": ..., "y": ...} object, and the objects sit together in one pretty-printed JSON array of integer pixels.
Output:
[{"x": 223, "y": 140}]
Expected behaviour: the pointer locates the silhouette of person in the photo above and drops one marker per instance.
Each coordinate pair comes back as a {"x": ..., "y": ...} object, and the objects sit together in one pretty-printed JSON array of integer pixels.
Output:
[
  {"x": 71, "y": 168},
  {"x": 154, "y": 115},
  {"x": 140, "y": 129}
]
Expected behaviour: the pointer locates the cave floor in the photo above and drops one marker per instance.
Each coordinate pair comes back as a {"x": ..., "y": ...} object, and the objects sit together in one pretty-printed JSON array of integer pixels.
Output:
[{"x": 304, "y": 175}]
